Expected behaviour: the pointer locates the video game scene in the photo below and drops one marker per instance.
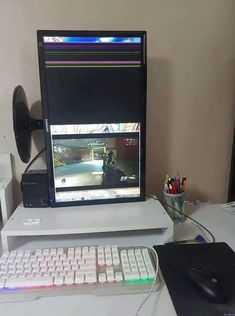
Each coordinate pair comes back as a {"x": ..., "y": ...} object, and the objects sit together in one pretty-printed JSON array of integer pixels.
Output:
[{"x": 105, "y": 162}]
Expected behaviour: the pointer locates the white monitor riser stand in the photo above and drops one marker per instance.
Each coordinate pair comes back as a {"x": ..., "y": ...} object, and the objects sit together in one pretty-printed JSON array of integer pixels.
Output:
[
  {"x": 125, "y": 224},
  {"x": 6, "y": 195}
]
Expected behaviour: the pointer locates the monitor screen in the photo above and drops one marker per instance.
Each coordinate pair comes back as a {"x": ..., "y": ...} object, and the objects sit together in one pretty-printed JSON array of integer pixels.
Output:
[{"x": 93, "y": 87}]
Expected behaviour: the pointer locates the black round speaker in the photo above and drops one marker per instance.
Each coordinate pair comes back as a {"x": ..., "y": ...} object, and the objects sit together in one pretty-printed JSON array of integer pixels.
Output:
[{"x": 23, "y": 124}]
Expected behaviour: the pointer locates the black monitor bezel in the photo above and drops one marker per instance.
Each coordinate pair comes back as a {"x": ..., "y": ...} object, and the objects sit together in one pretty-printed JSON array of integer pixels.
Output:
[{"x": 46, "y": 119}]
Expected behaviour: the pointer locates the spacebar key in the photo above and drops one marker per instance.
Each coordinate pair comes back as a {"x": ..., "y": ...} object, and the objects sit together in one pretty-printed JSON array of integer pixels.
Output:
[{"x": 28, "y": 282}]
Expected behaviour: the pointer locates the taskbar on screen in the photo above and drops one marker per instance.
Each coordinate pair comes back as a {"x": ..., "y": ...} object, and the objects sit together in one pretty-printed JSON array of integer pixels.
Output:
[{"x": 98, "y": 194}]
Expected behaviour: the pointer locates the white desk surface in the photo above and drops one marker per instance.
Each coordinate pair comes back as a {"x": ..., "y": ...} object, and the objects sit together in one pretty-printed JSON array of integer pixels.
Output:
[{"x": 221, "y": 224}]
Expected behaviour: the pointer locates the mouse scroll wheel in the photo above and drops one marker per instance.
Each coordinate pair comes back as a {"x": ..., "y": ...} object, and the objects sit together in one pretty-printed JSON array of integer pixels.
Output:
[{"x": 214, "y": 280}]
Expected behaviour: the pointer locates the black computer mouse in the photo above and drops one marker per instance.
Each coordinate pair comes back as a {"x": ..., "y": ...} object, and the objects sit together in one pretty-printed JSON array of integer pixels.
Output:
[{"x": 208, "y": 284}]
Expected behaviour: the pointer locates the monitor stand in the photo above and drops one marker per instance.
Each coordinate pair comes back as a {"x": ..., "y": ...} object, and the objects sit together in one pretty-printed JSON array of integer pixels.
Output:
[{"x": 124, "y": 224}]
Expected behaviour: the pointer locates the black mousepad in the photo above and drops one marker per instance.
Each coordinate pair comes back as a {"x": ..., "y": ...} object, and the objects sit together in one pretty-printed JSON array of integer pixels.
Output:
[{"x": 217, "y": 258}]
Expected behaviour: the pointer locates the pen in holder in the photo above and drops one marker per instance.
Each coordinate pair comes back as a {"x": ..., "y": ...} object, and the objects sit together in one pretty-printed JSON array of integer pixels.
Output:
[{"x": 174, "y": 197}]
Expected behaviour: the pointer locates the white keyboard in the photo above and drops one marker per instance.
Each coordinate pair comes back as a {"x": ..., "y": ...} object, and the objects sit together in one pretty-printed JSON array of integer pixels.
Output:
[{"x": 99, "y": 270}]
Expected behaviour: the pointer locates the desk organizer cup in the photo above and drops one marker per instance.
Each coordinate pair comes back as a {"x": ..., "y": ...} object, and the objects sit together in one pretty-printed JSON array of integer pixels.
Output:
[{"x": 177, "y": 202}]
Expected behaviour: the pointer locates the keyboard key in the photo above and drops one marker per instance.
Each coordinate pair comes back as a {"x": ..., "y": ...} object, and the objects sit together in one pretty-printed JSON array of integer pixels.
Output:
[
  {"x": 53, "y": 251},
  {"x": 126, "y": 268},
  {"x": 110, "y": 277},
  {"x": 67, "y": 267},
  {"x": 75, "y": 267},
  {"x": 92, "y": 250},
  {"x": 42, "y": 269},
  {"x": 59, "y": 280},
  {"x": 125, "y": 261},
  {"x": 114, "y": 248},
  {"x": 108, "y": 260},
  {"x": 73, "y": 261},
  {"x": 20, "y": 259},
  {"x": 151, "y": 271},
  {"x": 46, "y": 252},
  {"x": 107, "y": 248},
  {"x": 123, "y": 253},
  {"x": 102, "y": 278},
  {"x": 12, "y": 254},
  {"x": 132, "y": 262},
  {"x": 63, "y": 256},
  {"x": 59, "y": 268},
  {"x": 116, "y": 262},
  {"x": 69, "y": 279},
  {"x": 71, "y": 256},
  {"x": 38, "y": 252},
  {"x": 84, "y": 251},
  {"x": 118, "y": 276},
  {"x": 50, "y": 263},
  {"x": 51, "y": 268},
  {"x": 110, "y": 274},
  {"x": 91, "y": 277},
  {"x": 5, "y": 254},
  {"x": 2, "y": 283},
  {"x": 60, "y": 251},
  {"x": 109, "y": 269},
  {"x": 55, "y": 257},
  {"x": 79, "y": 278},
  {"x": 101, "y": 260},
  {"x": 143, "y": 274},
  {"x": 100, "y": 249},
  {"x": 37, "y": 275},
  {"x": 28, "y": 282},
  {"x": 131, "y": 276},
  {"x": 77, "y": 255}
]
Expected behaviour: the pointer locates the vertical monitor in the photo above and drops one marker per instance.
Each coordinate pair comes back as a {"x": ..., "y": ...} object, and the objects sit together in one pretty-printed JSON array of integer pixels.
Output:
[{"x": 93, "y": 87}]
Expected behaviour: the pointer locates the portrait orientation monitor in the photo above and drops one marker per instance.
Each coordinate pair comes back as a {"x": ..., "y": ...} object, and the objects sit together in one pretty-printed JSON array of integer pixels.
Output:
[{"x": 93, "y": 86}]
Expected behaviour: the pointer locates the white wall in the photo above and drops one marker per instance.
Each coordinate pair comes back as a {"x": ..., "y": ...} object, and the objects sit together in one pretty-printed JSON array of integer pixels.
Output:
[{"x": 191, "y": 78}]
